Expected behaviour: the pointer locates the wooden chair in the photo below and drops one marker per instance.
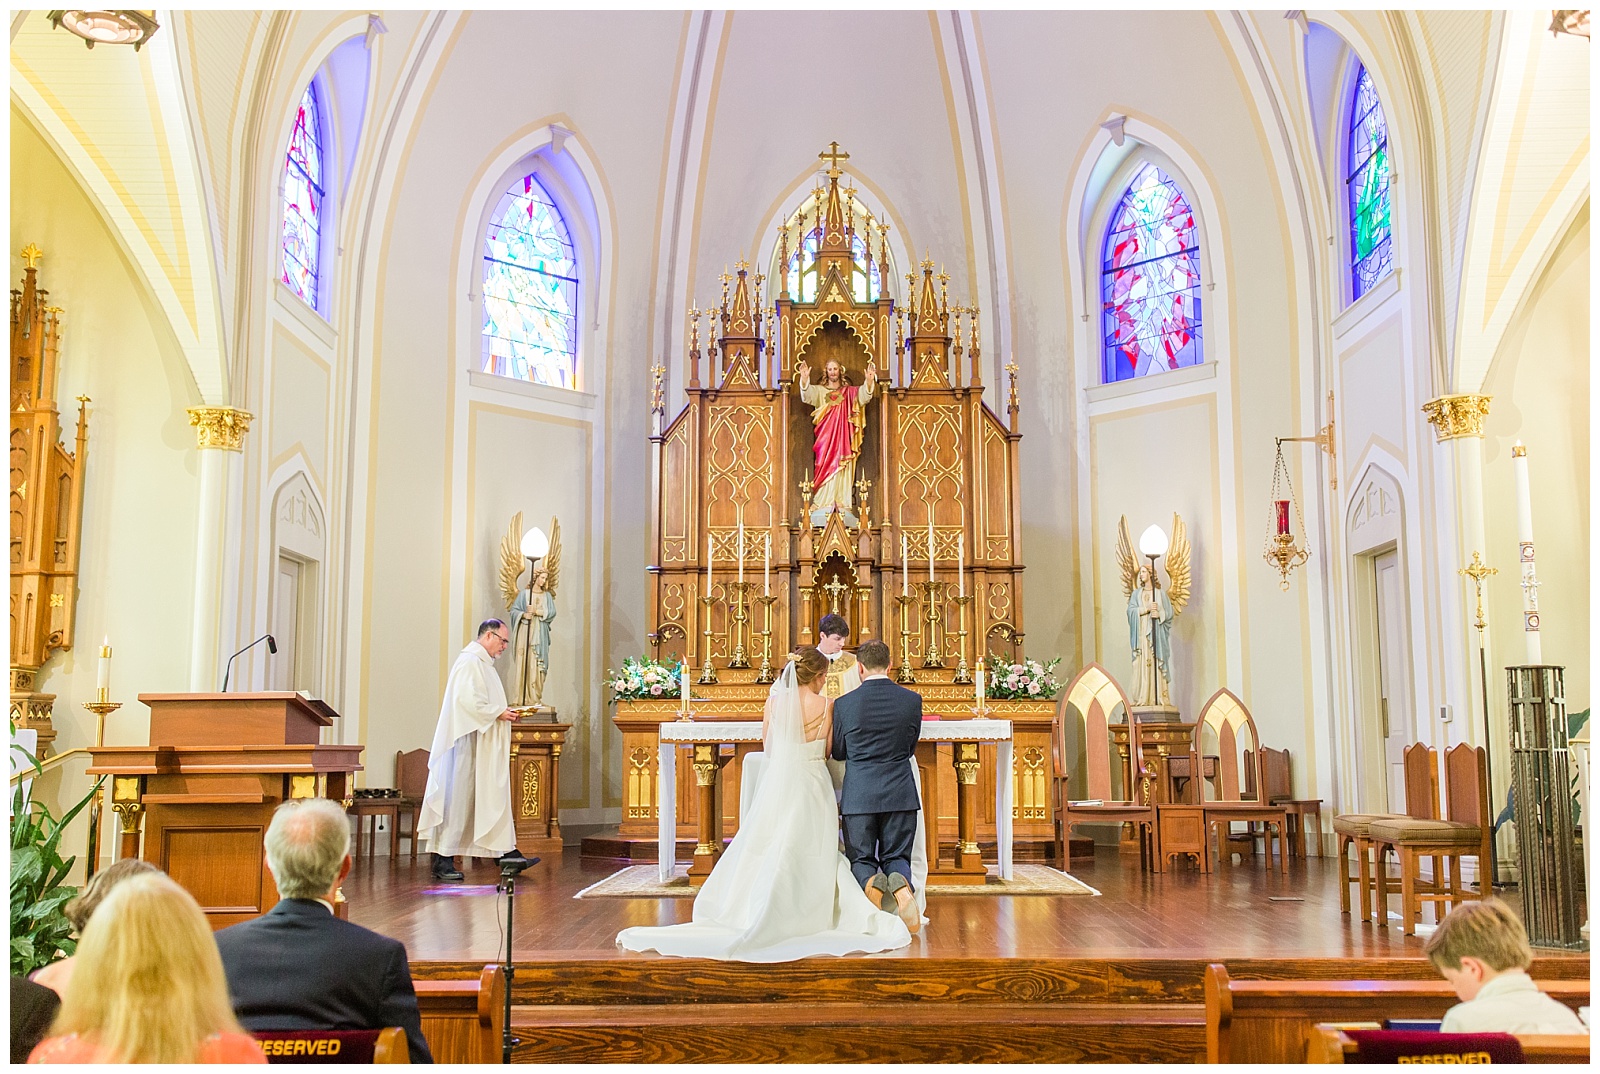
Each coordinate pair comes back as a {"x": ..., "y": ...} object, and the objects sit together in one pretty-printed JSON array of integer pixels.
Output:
[
  {"x": 1305, "y": 814},
  {"x": 1354, "y": 829},
  {"x": 1464, "y": 832},
  {"x": 1095, "y": 696},
  {"x": 411, "y": 777},
  {"x": 334, "y": 1045},
  {"x": 1227, "y": 730}
]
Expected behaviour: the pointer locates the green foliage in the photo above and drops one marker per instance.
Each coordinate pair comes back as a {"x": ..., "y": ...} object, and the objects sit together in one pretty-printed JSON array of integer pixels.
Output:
[{"x": 40, "y": 932}]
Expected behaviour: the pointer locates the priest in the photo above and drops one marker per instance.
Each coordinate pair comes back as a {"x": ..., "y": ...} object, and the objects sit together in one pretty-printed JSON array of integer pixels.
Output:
[{"x": 467, "y": 806}]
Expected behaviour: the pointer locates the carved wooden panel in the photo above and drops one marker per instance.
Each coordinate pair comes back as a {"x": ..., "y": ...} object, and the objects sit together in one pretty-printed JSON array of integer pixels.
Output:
[
  {"x": 739, "y": 463},
  {"x": 993, "y": 520},
  {"x": 679, "y": 479}
]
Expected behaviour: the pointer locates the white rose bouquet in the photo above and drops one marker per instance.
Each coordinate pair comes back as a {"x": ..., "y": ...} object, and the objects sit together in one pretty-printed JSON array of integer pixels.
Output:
[{"x": 1028, "y": 680}]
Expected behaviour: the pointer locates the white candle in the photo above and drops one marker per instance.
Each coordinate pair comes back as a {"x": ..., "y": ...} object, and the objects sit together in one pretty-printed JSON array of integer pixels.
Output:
[
  {"x": 1530, "y": 580},
  {"x": 978, "y": 682},
  {"x": 930, "y": 542},
  {"x": 905, "y": 570},
  {"x": 683, "y": 688},
  {"x": 741, "y": 553},
  {"x": 102, "y": 680},
  {"x": 766, "y": 567},
  {"x": 961, "y": 558}
]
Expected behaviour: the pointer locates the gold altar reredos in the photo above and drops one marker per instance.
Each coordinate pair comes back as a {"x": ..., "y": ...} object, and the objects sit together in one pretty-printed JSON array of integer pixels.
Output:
[{"x": 741, "y": 449}]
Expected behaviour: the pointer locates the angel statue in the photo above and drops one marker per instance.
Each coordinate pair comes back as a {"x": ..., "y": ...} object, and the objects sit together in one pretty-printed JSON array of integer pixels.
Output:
[
  {"x": 1150, "y": 611},
  {"x": 532, "y": 609}
]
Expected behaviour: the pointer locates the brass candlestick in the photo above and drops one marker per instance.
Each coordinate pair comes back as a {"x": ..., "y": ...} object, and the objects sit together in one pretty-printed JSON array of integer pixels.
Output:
[
  {"x": 101, "y": 709},
  {"x": 766, "y": 673},
  {"x": 932, "y": 610},
  {"x": 740, "y": 614},
  {"x": 905, "y": 675},
  {"x": 708, "y": 670},
  {"x": 963, "y": 672}
]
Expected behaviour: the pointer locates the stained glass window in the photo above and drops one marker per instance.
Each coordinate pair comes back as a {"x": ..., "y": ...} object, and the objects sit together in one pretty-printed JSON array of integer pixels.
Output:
[
  {"x": 1371, "y": 240},
  {"x": 865, "y": 283},
  {"x": 302, "y": 201},
  {"x": 530, "y": 289},
  {"x": 1150, "y": 280}
]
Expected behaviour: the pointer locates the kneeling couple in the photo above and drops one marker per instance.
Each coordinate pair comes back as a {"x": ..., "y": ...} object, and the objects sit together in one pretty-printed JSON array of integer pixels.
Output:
[{"x": 782, "y": 890}]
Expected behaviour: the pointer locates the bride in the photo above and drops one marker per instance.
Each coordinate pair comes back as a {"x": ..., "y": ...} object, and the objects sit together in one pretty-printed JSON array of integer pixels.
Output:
[{"x": 782, "y": 890}]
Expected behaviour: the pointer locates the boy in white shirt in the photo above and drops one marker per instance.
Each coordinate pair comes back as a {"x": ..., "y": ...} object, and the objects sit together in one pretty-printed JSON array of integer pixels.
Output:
[{"x": 1482, "y": 949}]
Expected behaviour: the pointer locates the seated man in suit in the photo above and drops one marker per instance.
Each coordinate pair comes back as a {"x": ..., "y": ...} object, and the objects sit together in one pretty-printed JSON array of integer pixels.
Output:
[{"x": 299, "y": 967}]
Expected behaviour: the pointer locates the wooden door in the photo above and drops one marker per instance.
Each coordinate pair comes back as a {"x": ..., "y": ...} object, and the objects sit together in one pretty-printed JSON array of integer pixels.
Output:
[{"x": 1394, "y": 681}]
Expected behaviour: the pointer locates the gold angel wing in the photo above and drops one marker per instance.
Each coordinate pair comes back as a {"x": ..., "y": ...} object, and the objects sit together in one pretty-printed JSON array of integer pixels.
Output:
[
  {"x": 511, "y": 559},
  {"x": 552, "y": 559},
  {"x": 1178, "y": 566},
  {"x": 1125, "y": 559}
]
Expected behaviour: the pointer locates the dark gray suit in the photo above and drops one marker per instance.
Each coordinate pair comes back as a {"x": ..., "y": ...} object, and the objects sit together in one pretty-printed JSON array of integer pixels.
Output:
[{"x": 875, "y": 731}]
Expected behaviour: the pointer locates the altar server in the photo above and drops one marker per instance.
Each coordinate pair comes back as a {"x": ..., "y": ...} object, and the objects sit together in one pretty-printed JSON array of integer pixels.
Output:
[{"x": 467, "y": 806}]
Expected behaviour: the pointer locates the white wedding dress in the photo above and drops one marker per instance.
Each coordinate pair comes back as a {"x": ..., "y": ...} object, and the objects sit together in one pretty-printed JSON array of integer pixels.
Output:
[{"x": 781, "y": 890}]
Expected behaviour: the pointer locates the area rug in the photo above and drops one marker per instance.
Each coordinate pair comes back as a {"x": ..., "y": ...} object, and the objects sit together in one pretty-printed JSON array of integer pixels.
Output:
[{"x": 644, "y": 882}]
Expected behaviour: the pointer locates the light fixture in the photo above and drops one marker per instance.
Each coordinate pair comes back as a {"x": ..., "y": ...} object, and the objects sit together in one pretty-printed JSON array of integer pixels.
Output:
[
  {"x": 1572, "y": 22},
  {"x": 108, "y": 27},
  {"x": 1282, "y": 551},
  {"x": 1153, "y": 542},
  {"x": 535, "y": 544}
]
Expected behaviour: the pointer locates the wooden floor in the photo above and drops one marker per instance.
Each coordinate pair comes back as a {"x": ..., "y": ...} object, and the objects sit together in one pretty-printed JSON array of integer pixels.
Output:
[
  {"x": 1065, "y": 979},
  {"x": 1230, "y": 913}
]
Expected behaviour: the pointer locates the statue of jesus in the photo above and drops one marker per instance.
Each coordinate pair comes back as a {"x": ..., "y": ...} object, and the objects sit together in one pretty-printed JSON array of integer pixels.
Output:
[{"x": 839, "y": 416}]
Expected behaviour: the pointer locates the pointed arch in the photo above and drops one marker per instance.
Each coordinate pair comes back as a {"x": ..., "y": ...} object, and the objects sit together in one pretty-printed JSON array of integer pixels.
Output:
[
  {"x": 1367, "y": 174},
  {"x": 530, "y": 287},
  {"x": 304, "y": 184}
]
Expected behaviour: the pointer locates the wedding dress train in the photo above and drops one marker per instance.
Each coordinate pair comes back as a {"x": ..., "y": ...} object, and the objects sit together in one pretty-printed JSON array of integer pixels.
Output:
[{"x": 781, "y": 890}]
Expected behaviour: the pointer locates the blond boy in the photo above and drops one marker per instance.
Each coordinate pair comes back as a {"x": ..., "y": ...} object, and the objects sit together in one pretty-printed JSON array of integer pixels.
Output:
[{"x": 1482, "y": 949}]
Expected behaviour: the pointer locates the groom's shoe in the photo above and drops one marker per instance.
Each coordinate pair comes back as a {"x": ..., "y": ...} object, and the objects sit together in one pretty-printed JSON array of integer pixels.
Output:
[
  {"x": 445, "y": 869},
  {"x": 878, "y": 893},
  {"x": 905, "y": 904}
]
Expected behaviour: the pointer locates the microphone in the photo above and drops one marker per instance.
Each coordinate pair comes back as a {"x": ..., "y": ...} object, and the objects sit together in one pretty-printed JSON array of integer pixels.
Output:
[{"x": 272, "y": 647}]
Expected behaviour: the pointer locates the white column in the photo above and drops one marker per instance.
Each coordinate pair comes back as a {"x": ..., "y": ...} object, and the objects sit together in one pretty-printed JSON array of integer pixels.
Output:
[{"x": 219, "y": 433}]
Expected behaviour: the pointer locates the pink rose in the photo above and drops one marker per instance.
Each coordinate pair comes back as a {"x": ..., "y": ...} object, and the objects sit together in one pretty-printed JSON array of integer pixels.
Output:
[{"x": 656, "y": 690}]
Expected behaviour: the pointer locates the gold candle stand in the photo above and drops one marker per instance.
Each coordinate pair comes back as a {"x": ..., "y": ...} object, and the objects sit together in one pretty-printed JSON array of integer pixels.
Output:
[
  {"x": 708, "y": 670},
  {"x": 905, "y": 674},
  {"x": 766, "y": 675},
  {"x": 963, "y": 672},
  {"x": 101, "y": 709},
  {"x": 740, "y": 614},
  {"x": 933, "y": 609}
]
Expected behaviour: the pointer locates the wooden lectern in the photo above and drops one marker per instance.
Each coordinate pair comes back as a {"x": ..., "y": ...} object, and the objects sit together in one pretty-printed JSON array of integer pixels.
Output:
[{"x": 205, "y": 787}]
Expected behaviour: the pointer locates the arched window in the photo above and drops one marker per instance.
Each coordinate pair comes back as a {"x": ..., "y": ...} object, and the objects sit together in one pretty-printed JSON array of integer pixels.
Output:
[
  {"x": 866, "y": 279},
  {"x": 1150, "y": 280},
  {"x": 1371, "y": 239},
  {"x": 302, "y": 201},
  {"x": 530, "y": 289}
]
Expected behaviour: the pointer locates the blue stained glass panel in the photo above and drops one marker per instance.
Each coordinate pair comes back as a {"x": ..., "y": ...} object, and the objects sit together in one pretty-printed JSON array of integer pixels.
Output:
[
  {"x": 1367, "y": 185},
  {"x": 530, "y": 290},
  {"x": 865, "y": 283},
  {"x": 302, "y": 201},
  {"x": 1150, "y": 281}
]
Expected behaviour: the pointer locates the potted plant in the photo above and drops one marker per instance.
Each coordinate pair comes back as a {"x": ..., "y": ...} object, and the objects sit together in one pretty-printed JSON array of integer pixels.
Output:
[{"x": 40, "y": 931}]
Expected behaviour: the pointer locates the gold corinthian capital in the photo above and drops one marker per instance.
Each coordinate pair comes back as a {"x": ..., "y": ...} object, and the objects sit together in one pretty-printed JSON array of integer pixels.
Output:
[
  {"x": 1455, "y": 416},
  {"x": 220, "y": 426}
]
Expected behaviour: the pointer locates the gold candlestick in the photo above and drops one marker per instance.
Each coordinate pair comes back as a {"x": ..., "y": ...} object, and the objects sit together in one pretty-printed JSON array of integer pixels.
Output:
[
  {"x": 101, "y": 708},
  {"x": 932, "y": 609},
  {"x": 905, "y": 675},
  {"x": 708, "y": 670},
  {"x": 740, "y": 614},
  {"x": 766, "y": 674},
  {"x": 963, "y": 672}
]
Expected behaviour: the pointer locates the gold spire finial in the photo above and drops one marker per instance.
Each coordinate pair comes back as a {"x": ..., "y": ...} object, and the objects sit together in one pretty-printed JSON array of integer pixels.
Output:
[
  {"x": 31, "y": 255},
  {"x": 833, "y": 157}
]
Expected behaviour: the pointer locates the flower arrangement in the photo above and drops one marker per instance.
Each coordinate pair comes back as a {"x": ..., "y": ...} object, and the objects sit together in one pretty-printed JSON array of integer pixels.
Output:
[
  {"x": 643, "y": 678},
  {"x": 1027, "y": 681}
]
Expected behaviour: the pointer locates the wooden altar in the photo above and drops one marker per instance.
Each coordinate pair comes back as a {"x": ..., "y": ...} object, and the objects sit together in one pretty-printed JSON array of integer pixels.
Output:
[{"x": 925, "y": 554}]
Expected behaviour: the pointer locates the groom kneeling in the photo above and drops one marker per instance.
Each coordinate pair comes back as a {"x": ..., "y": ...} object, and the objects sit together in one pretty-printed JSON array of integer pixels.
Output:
[{"x": 875, "y": 731}]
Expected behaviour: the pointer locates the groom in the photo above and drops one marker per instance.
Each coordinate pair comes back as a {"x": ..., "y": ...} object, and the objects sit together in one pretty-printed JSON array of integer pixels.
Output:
[{"x": 875, "y": 731}]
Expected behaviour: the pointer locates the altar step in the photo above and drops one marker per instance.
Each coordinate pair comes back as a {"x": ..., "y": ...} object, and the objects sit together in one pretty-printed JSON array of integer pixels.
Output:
[
  {"x": 860, "y": 1032},
  {"x": 643, "y": 849}
]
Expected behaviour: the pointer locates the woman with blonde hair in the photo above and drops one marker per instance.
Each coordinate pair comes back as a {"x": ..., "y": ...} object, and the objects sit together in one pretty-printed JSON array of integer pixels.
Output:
[{"x": 148, "y": 986}]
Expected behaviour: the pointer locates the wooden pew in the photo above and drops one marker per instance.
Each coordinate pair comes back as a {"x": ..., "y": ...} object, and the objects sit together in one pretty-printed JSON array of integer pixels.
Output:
[
  {"x": 1272, "y": 1021},
  {"x": 1329, "y": 1044},
  {"x": 463, "y": 1021}
]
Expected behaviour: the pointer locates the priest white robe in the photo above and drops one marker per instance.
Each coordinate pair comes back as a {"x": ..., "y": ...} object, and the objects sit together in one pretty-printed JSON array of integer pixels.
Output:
[{"x": 467, "y": 806}]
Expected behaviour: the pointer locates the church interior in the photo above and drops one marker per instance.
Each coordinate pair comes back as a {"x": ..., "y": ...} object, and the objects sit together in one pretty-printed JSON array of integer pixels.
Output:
[{"x": 1181, "y": 422}]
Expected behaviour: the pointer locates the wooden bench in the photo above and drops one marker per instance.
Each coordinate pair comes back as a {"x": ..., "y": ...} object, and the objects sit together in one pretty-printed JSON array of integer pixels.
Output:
[
  {"x": 463, "y": 1021},
  {"x": 1272, "y": 1021},
  {"x": 1330, "y": 1044}
]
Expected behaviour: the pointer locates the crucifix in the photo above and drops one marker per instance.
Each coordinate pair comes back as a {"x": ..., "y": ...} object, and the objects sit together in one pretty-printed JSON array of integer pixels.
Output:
[
  {"x": 1479, "y": 571},
  {"x": 833, "y": 157},
  {"x": 836, "y": 590}
]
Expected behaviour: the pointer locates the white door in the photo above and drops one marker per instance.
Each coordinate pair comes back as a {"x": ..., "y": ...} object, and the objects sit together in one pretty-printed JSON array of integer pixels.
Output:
[
  {"x": 282, "y": 669},
  {"x": 1394, "y": 683}
]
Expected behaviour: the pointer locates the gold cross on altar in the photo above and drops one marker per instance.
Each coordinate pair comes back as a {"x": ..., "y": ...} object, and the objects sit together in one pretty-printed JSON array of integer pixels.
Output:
[
  {"x": 833, "y": 157},
  {"x": 835, "y": 590}
]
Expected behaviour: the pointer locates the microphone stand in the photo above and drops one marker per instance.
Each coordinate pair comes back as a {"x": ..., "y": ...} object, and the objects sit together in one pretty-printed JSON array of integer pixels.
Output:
[
  {"x": 508, "y": 885},
  {"x": 272, "y": 647}
]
